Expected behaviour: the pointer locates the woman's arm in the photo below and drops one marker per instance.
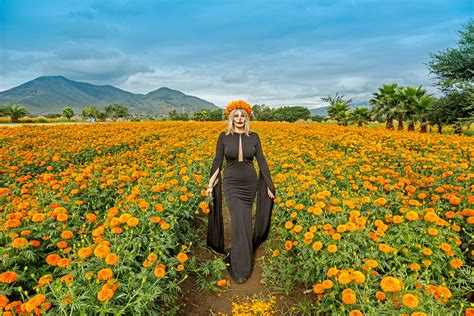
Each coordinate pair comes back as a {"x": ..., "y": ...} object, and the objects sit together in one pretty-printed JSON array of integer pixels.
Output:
[
  {"x": 263, "y": 165},
  {"x": 218, "y": 159}
]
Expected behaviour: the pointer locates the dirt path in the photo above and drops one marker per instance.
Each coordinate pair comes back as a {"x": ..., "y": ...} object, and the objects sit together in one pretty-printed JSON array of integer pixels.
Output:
[{"x": 195, "y": 302}]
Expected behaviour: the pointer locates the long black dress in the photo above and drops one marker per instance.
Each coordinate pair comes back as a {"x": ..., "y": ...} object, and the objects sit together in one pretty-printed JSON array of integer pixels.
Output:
[{"x": 240, "y": 187}]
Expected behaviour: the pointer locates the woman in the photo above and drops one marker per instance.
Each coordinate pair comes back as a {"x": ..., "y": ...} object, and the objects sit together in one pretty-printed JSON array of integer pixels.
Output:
[{"x": 241, "y": 184}]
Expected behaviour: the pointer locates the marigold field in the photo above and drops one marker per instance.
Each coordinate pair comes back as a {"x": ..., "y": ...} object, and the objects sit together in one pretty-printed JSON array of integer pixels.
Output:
[{"x": 100, "y": 218}]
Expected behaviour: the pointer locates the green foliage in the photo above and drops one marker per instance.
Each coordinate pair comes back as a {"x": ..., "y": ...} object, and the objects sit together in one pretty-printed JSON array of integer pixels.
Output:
[
  {"x": 291, "y": 113},
  {"x": 15, "y": 112},
  {"x": 115, "y": 111},
  {"x": 68, "y": 112}
]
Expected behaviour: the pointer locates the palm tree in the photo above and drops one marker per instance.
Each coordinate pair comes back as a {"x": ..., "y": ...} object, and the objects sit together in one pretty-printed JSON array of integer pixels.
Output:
[
  {"x": 409, "y": 107},
  {"x": 338, "y": 109},
  {"x": 360, "y": 115},
  {"x": 423, "y": 106},
  {"x": 385, "y": 101},
  {"x": 16, "y": 111}
]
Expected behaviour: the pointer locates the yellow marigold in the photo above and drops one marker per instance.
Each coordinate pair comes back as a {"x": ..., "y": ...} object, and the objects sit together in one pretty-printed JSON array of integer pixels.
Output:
[
  {"x": 105, "y": 274},
  {"x": 132, "y": 222},
  {"x": 317, "y": 246},
  {"x": 410, "y": 300},
  {"x": 390, "y": 284},
  {"x": 427, "y": 251},
  {"x": 111, "y": 259},
  {"x": 182, "y": 257},
  {"x": 332, "y": 248},
  {"x": 152, "y": 256},
  {"x": 432, "y": 231},
  {"x": 332, "y": 272},
  {"x": 8, "y": 277},
  {"x": 411, "y": 216},
  {"x": 344, "y": 277},
  {"x": 372, "y": 263},
  {"x": 358, "y": 276},
  {"x": 422, "y": 314},
  {"x": 288, "y": 224}
]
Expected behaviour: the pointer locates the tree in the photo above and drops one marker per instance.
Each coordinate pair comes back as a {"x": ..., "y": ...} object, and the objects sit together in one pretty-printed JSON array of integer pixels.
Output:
[
  {"x": 15, "y": 112},
  {"x": 291, "y": 113},
  {"x": 385, "y": 101},
  {"x": 91, "y": 111},
  {"x": 338, "y": 109},
  {"x": 216, "y": 115},
  {"x": 409, "y": 106},
  {"x": 68, "y": 113},
  {"x": 360, "y": 115},
  {"x": 454, "y": 70},
  {"x": 115, "y": 111},
  {"x": 202, "y": 115},
  {"x": 263, "y": 113}
]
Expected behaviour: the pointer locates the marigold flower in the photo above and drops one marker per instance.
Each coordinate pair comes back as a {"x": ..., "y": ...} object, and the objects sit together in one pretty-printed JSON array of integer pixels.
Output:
[
  {"x": 105, "y": 274},
  {"x": 348, "y": 296},
  {"x": 105, "y": 294},
  {"x": 53, "y": 259},
  {"x": 64, "y": 262},
  {"x": 111, "y": 259},
  {"x": 288, "y": 245},
  {"x": 182, "y": 257},
  {"x": 132, "y": 222},
  {"x": 84, "y": 252},
  {"x": 390, "y": 284},
  {"x": 317, "y": 246},
  {"x": 327, "y": 284},
  {"x": 67, "y": 234},
  {"x": 101, "y": 251},
  {"x": 19, "y": 242},
  {"x": 8, "y": 277},
  {"x": 160, "y": 270},
  {"x": 410, "y": 300},
  {"x": 355, "y": 312},
  {"x": 380, "y": 296},
  {"x": 35, "y": 302},
  {"x": 411, "y": 216},
  {"x": 456, "y": 263},
  {"x": 332, "y": 248}
]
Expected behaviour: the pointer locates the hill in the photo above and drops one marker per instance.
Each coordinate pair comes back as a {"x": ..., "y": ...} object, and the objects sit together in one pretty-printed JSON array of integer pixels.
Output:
[{"x": 50, "y": 94}]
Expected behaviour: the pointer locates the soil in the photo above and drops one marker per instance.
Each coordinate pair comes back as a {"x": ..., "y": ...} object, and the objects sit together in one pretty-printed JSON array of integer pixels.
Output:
[{"x": 196, "y": 302}]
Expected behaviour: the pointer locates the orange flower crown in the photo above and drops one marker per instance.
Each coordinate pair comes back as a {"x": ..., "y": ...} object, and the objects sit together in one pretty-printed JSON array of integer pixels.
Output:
[{"x": 239, "y": 104}]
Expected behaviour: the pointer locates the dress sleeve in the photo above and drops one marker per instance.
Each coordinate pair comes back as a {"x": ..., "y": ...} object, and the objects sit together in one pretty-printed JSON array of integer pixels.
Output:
[
  {"x": 263, "y": 165},
  {"x": 219, "y": 158}
]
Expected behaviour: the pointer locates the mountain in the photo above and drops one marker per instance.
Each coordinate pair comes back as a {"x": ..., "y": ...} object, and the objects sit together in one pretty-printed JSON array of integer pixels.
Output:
[
  {"x": 50, "y": 94},
  {"x": 322, "y": 111}
]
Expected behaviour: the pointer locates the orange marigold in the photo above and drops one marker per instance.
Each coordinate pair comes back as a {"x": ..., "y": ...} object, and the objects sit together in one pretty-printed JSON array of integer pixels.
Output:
[
  {"x": 8, "y": 277},
  {"x": 239, "y": 104},
  {"x": 160, "y": 270},
  {"x": 390, "y": 284},
  {"x": 182, "y": 257},
  {"x": 111, "y": 259},
  {"x": 410, "y": 300},
  {"x": 35, "y": 302},
  {"x": 105, "y": 274},
  {"x": 348, "y": 296}
]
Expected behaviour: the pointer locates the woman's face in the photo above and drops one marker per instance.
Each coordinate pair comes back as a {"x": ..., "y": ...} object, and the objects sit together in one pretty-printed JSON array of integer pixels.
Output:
[{"x": 239, "y": 118}]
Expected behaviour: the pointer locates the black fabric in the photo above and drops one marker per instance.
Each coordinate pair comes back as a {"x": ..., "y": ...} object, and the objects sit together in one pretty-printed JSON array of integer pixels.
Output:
[{"x": 240, "y": 186}]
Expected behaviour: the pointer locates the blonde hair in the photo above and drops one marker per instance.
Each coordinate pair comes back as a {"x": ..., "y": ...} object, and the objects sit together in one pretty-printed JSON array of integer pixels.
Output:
[{"x": 230, "y": 128}]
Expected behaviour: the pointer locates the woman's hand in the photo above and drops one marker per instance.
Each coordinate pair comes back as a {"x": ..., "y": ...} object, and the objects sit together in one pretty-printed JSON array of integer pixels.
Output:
[
  {"x": 270, "y": 194},
  {"x": 209, "y": 192}
]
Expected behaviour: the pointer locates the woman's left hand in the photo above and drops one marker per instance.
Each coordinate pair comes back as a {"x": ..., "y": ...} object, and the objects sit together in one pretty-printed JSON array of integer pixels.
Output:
[{"x": 270, "y": 194}]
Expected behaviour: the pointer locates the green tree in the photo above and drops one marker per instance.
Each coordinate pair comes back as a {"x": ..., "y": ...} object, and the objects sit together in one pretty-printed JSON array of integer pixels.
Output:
[
  {"x": 338, "y": 108},
  {"x": 263, "y": 113},
  {"x": 409, "y": 106},
  {"x": 91, "y": 111},
  {"x": 216, "y": 115},
  {"x": 68, "y": 113},
  {"x": 115, "y": 111},
  {"x": 454, "y": 72},
  {"x": 359, "y": 115},
  {"x": 15, "y": 112},
  {"x": 385, "y": 103},
  {"x": 202, "y": 115},
  {"x": 291, "y": 113}
]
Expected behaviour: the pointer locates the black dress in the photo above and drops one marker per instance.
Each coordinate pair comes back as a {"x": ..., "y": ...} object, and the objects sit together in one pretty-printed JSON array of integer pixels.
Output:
[{"x": 240, "y": 186}]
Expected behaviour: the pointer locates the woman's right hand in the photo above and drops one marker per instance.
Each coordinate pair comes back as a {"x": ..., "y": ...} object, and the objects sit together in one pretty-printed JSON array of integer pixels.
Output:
[{"x": 209, "y": 192}]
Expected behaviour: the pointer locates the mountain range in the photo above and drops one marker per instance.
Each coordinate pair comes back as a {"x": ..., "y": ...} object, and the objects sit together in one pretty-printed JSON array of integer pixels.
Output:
[{"x": 50, "y": 94}]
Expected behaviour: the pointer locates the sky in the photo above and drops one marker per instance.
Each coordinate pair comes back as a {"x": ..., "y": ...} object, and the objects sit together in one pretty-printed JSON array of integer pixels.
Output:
[{"x": 275, "y": 52}]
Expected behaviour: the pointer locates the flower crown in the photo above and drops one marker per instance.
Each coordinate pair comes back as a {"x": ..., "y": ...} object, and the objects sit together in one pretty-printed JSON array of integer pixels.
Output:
[{"x": 239, "y": 104}]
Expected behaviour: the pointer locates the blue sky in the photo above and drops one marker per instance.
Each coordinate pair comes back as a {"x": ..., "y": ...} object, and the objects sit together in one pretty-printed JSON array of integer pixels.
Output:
[{"x": 279, "y": 53}]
